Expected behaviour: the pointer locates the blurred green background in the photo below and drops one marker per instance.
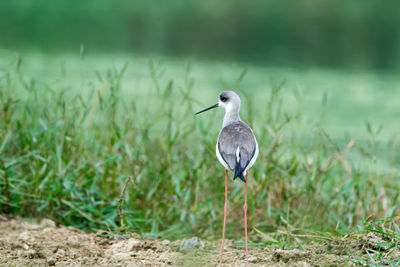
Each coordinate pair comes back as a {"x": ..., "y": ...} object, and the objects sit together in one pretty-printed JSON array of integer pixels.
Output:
[
  {"x": 361, "y": 33},
  {"x": 92, "y": 92}
]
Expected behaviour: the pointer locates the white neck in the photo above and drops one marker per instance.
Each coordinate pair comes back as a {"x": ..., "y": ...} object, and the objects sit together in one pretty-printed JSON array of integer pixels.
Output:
[{"x": 231, "y": 114}]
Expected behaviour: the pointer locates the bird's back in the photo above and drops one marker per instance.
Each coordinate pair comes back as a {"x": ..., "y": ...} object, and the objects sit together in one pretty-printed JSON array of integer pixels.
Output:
[{"x": 237, "y": 147}]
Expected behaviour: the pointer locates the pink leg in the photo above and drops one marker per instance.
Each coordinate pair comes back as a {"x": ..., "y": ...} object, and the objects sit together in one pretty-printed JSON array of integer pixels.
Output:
[
  {"x": 225, "y": 209},
  {"x": 245, "y": 220}
]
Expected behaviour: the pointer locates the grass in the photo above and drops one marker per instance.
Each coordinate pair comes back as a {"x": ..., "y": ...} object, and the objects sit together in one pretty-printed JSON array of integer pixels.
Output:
[
  {"x": 385, "y": 252},
  {"x": 72, "y": 131}
]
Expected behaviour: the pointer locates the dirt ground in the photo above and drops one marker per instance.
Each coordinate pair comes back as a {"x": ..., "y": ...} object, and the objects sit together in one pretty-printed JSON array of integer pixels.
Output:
[{"x": 32, "y": 243}]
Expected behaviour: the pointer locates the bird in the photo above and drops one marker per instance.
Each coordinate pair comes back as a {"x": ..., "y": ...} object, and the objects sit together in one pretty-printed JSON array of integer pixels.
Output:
[{"x": 236, "y": 149}]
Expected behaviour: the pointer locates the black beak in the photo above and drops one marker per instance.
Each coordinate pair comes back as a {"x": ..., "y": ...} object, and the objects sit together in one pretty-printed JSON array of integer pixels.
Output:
[{"x": 214, "y": 106}]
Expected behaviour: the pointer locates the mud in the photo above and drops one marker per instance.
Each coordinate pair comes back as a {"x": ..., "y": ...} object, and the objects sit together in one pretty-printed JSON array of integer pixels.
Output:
[{"x": 43, "y": 243}]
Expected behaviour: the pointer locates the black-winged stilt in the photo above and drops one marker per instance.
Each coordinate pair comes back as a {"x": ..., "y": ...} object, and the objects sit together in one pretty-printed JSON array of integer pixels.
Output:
[{"x": 236, "y": 150}]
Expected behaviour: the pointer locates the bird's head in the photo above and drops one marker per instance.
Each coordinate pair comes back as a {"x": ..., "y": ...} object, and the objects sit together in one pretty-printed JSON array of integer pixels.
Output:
[{"x": 227, "y": 100}]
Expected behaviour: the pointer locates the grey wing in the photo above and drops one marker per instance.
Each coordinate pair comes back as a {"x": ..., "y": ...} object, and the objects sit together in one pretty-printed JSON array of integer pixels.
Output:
[{"x": 237, "y": 145}]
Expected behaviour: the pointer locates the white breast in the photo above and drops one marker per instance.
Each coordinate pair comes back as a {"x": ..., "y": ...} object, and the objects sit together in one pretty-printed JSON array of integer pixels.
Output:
[
  {"x": 221, "y": 160},
  {"x": 253, "y": 159}
]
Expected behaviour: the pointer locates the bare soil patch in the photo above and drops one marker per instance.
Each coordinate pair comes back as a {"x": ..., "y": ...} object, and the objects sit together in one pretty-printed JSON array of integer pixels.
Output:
[{"x": 43, "y": 243}]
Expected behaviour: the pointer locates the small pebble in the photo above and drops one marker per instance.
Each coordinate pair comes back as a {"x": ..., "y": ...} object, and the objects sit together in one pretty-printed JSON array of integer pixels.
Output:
[
  {"x": 30, "y": 254},
  {"x": 252, "y": 259},
  {"x": 73, "y": 241},
  {"x": 120, "y": 256},
  {"x": 60, "y": 253},
  {"x": 26, "y": 236},
  {"x": 3, "y": 218},
  {"x": 46, "y": 223},
  {"x": 165, "y": 242},
  {"x": 51, "y": 261},
  {"x": 192, "y": 243},
  {"x": 104, "y": 242},
  {"x": 133, "y": 244},
  {"x": 136, "y": 236}
]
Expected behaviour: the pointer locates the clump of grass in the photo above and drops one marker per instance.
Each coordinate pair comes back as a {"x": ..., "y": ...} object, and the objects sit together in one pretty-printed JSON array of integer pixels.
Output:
[
  {"x": 67, "y": 156},
  {"x": 382, "y": 243}
]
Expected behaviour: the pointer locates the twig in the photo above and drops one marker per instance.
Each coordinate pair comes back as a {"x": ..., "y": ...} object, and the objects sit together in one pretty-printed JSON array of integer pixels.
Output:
[
  {"x": 121, "y": 200},
  {"x": 310, "y": 236}
]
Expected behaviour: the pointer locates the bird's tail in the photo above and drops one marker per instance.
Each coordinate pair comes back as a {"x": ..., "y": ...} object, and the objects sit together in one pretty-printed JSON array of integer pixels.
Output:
[{"x": 239, "y": 173}]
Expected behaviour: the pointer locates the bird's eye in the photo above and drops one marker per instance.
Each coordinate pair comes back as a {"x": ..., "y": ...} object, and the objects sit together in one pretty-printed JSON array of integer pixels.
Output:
[{"x": 223, "y": 98}]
